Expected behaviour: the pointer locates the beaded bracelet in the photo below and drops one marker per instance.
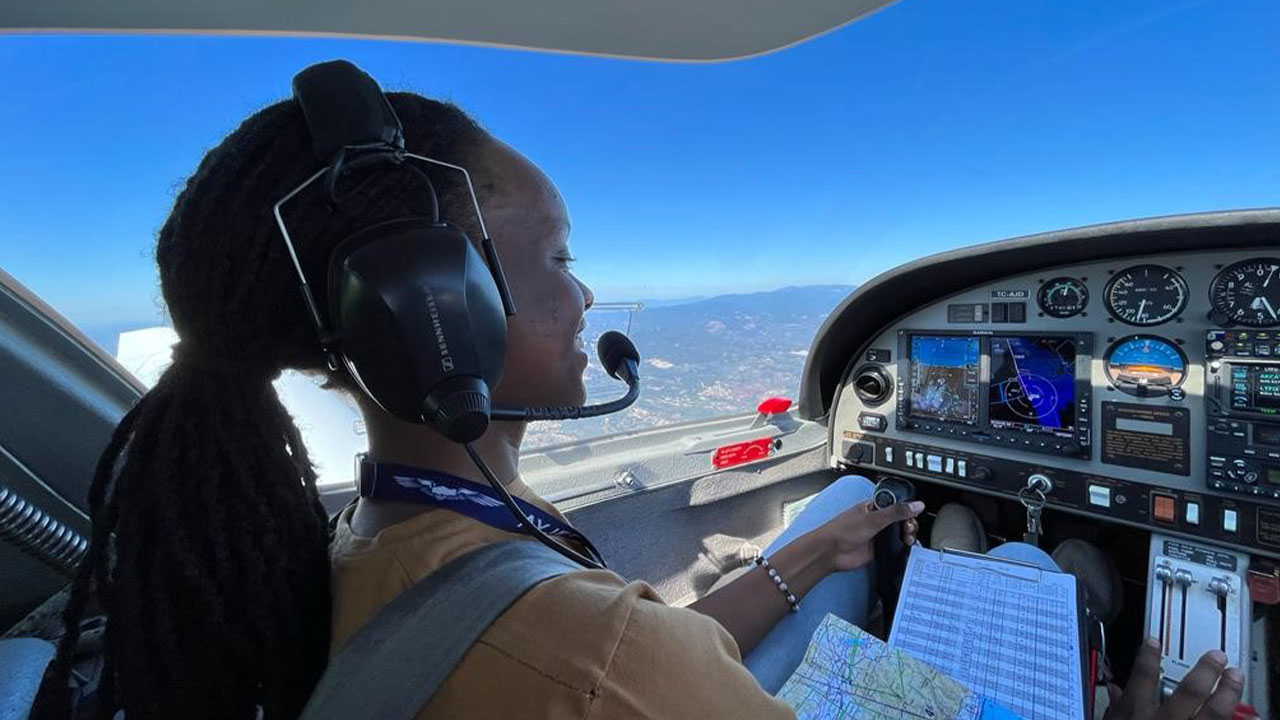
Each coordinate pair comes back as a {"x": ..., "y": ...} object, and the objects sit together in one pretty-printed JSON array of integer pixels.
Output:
[{"x": 779, "y": 583}]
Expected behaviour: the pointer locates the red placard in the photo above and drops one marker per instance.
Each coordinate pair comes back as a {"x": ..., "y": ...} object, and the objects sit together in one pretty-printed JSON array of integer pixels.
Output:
[{"x": 743, "y": 452}]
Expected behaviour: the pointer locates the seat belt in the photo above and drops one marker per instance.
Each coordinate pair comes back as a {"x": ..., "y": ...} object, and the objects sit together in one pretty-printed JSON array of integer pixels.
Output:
[{"x": 394, "y": 664}]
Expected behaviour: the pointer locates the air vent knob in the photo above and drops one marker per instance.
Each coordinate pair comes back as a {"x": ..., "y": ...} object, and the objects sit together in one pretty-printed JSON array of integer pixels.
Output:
[{"x": 872, "y": 384}]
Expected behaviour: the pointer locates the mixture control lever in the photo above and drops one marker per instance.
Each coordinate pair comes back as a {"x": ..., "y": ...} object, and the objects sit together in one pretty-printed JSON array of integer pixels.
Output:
[{"x": 1221, "y": 586}]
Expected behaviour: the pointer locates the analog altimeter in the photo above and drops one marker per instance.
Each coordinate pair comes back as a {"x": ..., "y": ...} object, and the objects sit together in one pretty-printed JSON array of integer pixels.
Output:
[{"x": 1248, "y": 293}]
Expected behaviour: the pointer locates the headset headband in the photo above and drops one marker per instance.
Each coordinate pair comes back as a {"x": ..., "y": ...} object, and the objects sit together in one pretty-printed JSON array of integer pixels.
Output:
[
  {"x": 345, "y": 110},
  {"x": 345, "y": 107}
]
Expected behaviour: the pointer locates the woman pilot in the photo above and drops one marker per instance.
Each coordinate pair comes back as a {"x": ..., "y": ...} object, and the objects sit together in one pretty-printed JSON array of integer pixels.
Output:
[{"x": 211, "y": 553}]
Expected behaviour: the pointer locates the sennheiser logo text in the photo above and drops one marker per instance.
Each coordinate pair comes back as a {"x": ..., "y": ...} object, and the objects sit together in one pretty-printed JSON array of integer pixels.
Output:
[{"x": 446, "y": 359}]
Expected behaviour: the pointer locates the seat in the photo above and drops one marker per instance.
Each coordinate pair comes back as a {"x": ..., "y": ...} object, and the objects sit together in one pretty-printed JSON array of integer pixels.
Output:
[{"x": 22, "y": 663}]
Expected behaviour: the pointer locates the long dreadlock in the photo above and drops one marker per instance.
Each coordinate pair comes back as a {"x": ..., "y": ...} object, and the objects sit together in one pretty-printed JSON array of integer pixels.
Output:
[{"x": 209, "y": 544}]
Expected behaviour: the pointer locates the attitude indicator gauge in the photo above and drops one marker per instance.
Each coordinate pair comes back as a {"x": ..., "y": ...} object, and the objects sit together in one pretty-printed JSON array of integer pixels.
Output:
[
  {"x": 1146, "y": 295},
  {"x": 1063, "y": 297},
  {"x": 1247, "y": 293},
  {"x": 1145, "y": 365}
]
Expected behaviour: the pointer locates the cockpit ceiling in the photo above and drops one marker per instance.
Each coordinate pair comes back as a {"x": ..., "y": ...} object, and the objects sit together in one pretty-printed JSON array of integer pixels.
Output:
[{"x": 689, "y": 30}]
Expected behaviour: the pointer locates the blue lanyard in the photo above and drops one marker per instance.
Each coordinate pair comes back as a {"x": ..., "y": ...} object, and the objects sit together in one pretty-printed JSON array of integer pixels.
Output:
[{"x": 401, "y": 483}]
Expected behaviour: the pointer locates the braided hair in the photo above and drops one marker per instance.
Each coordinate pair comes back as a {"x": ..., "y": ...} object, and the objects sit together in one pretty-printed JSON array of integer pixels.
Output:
[{"x": 209, "y": 549}]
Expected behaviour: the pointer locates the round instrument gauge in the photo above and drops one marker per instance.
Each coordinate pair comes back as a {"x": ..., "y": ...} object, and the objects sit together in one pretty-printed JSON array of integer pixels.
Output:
[
  {"x": 1063, "y": 297},
  {"x": 1248, "y": 293},
  {"x": 1145, "y": 365},
  {"x": 1146, "y": 295}
]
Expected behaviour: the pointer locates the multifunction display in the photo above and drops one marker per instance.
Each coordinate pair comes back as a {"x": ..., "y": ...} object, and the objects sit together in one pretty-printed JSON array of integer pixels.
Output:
[
  {"x": 1024, "y": 391},
  {"x": 1033, "y": 384}
]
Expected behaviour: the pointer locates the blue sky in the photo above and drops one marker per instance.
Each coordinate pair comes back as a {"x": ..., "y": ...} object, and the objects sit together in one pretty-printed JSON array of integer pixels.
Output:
[{"x": 929, "y": 125}]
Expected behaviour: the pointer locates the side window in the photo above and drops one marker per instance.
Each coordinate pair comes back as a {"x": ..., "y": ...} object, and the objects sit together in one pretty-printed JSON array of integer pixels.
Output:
[
  {"x": 329, "y": 421},
  {"x": 700, "y": 357}
]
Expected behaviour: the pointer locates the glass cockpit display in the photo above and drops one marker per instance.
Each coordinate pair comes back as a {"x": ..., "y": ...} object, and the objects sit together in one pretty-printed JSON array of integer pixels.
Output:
[
  {"x": 1033, "y": 381},
  {"x": 1029, "y": 391},
  {"x": 944, "y": 378}
]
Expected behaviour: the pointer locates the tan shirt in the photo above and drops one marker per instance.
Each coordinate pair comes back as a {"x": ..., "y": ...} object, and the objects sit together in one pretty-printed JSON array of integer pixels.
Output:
[{"x": 583, "y": 645}]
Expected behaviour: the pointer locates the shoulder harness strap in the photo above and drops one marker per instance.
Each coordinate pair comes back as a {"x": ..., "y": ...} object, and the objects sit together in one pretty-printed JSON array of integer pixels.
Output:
[{"x": 396, "y": 662}]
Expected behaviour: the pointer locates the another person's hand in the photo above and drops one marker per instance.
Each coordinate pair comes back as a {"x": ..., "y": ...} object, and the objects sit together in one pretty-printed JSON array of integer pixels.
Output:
[
  {"x": 848, "y": 535},
  {"x": 1210, "y": 691}
]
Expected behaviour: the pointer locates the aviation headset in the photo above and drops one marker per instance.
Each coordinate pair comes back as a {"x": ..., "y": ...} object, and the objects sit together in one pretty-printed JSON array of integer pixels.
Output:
[{"x": 416, "y": 315}]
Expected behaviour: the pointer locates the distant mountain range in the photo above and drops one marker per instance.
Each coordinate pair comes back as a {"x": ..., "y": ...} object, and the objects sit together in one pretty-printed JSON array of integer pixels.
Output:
[{"x": 706, "y": 357}]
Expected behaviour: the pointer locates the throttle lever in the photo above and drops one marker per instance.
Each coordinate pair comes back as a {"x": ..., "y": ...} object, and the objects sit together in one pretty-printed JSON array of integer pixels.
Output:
[{"x": 1164, "y": 574}]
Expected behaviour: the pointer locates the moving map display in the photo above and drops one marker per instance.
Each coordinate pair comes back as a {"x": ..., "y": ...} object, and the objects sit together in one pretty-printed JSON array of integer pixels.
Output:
[
  {"x": 944, "y": 378},
  {"x": 1033, "y": 380}
]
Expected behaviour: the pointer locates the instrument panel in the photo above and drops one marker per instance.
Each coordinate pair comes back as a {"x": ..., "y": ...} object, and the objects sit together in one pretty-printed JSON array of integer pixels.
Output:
[{"x": 1147, "y": 389}]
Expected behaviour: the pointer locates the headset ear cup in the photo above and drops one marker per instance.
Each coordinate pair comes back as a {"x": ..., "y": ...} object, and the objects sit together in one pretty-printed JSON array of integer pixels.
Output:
[
  {"x": 420, "y": 323},
  {"x": 383, "y": 375}
]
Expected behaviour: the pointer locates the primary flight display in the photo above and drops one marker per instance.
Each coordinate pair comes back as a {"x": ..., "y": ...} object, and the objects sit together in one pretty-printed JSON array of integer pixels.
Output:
[{"x": 944, "y": 378}]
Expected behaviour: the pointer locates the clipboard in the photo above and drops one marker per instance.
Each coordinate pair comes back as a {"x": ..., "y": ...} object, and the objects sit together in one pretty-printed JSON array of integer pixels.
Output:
[
  {"x": 1019, "y": 568},
  {"x": 1008, "y": 578}
]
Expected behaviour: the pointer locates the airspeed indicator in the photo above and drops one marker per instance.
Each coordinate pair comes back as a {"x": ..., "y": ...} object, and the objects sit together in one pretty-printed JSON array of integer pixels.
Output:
[{"x": 1146, "y": 295}]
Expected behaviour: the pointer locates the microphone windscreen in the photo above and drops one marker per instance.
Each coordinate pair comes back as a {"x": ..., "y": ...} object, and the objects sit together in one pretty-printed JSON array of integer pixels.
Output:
[{"x": 614, "y": 348}]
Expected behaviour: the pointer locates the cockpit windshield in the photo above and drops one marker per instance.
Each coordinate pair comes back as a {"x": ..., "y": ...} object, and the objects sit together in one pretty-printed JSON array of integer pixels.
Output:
[{"x": 720, "y": 211}]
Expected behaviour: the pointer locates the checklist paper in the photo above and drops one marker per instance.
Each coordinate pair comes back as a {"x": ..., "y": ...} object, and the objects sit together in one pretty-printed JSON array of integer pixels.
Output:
[{"x": 1008, "y": 630}]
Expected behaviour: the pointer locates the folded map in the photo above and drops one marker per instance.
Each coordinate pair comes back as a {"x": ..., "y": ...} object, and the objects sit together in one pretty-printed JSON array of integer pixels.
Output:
[{"x": 848, "y": 674}]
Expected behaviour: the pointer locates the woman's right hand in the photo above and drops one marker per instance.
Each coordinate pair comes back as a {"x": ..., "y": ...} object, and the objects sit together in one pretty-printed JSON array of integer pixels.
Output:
[
  {"x": 847, "y": 537},
  {"x": 1210, "y": 691}
]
